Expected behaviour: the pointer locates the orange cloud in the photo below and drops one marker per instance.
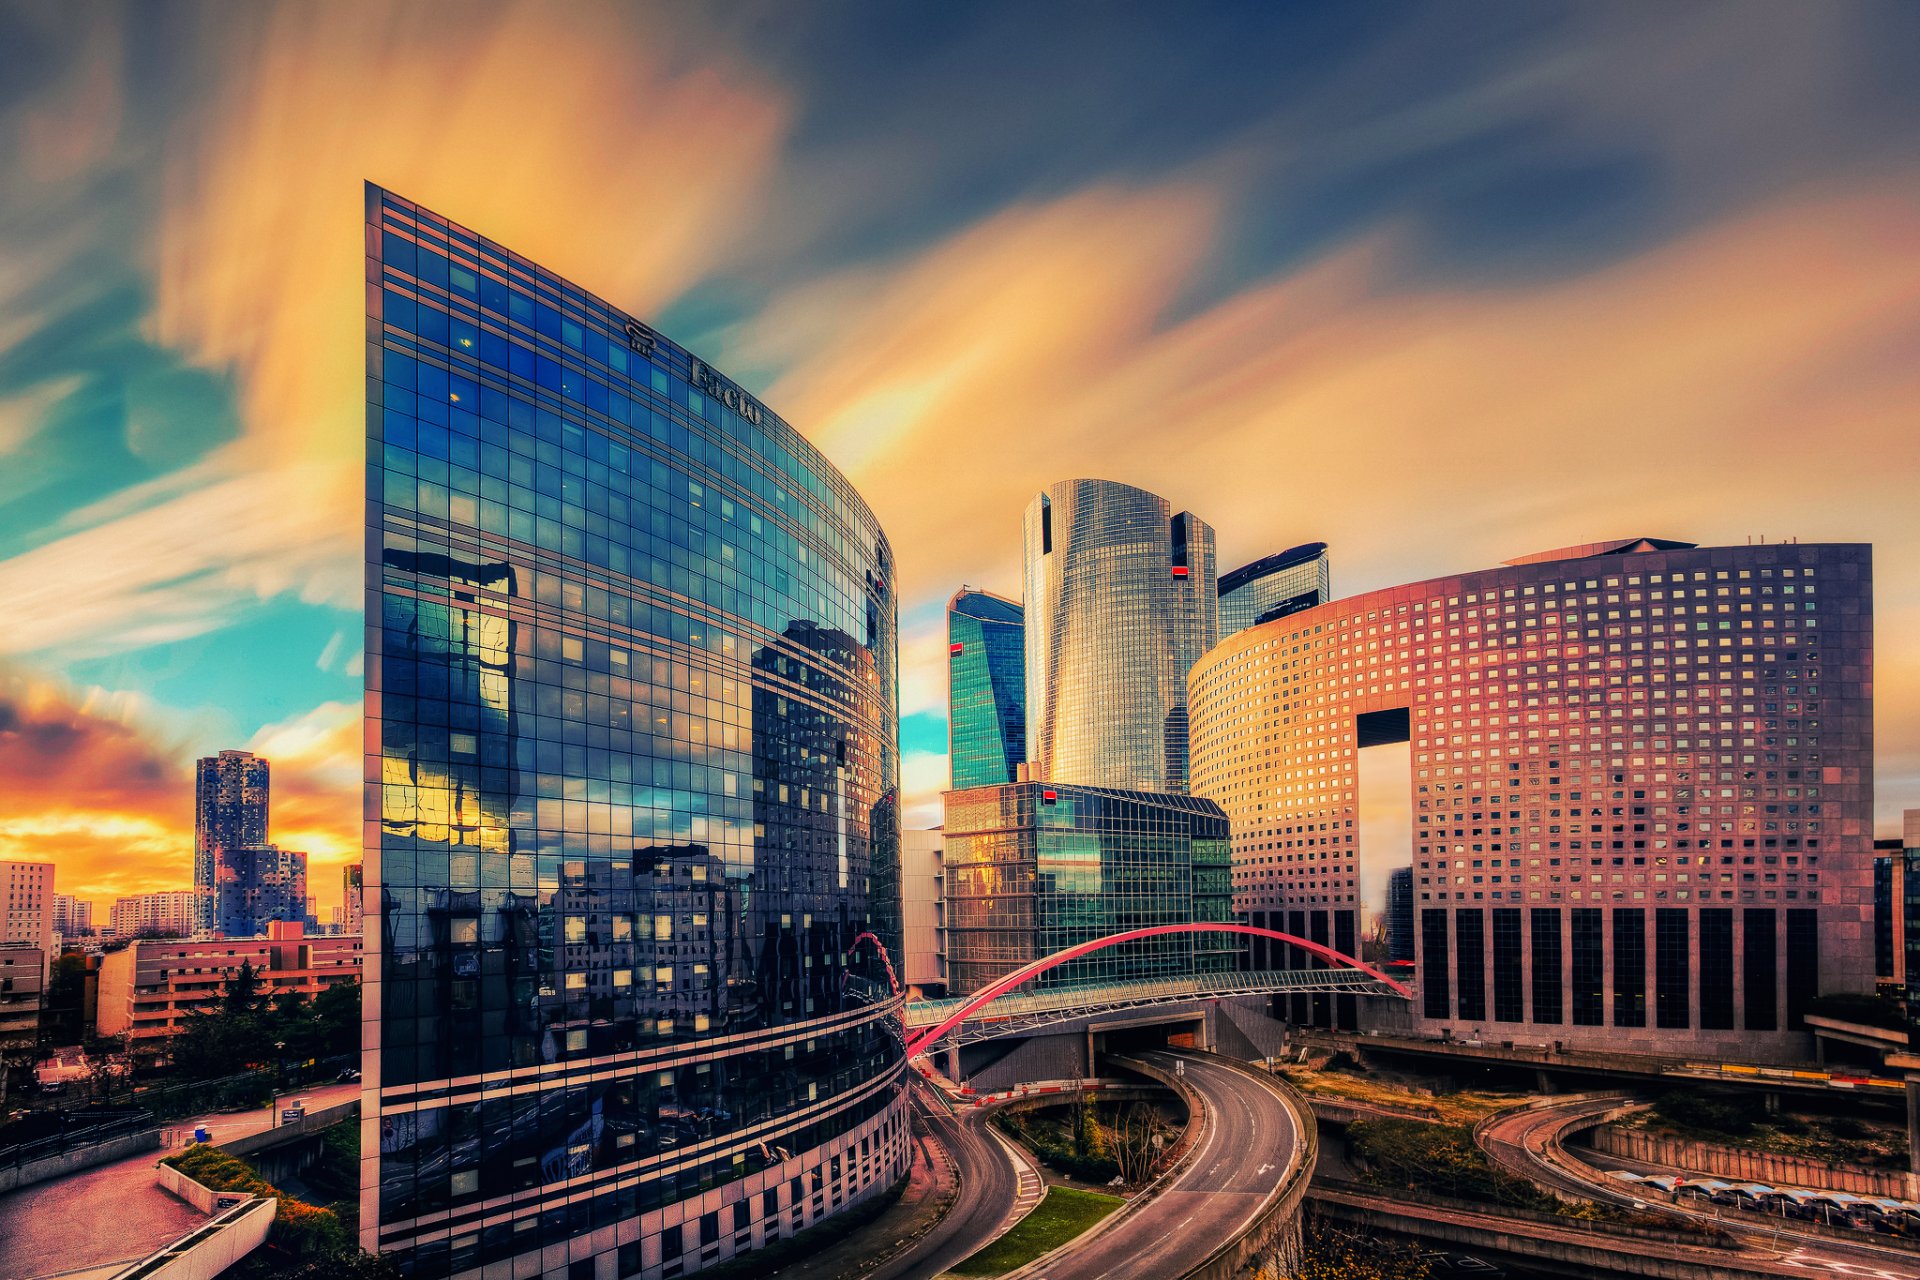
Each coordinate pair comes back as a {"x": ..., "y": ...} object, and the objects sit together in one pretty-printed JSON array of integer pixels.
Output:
[
  {"x": 83, "y": 785},
  {"x": 99, "y": 784},
  {"x": 603, "y": 145},
  {"x": 316, "y": 790},
  {"x": 1755, "y": 377}
]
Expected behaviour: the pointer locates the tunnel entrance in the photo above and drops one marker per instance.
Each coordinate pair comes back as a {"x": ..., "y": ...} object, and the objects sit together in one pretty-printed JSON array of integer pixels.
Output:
[{"x": 1138, "y": 1035}]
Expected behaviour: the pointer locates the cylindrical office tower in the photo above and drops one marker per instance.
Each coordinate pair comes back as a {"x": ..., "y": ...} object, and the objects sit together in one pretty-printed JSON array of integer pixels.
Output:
[
  {"x": 632, "y": 791},
  {"x": 1120, "y": 603}
]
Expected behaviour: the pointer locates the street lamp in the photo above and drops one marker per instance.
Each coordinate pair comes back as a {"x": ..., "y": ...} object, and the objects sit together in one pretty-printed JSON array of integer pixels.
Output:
[{"x": 279, "y": 1080}]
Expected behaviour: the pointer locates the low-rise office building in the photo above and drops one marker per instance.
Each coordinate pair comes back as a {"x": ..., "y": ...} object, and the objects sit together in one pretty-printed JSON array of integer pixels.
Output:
[
  {"x": 1032, "y": 868},
  {"x": 148, "y": 989}
]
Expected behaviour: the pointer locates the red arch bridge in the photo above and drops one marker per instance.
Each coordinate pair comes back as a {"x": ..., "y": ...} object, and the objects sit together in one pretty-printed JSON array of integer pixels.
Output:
[{"x": 993, "y": 1011}]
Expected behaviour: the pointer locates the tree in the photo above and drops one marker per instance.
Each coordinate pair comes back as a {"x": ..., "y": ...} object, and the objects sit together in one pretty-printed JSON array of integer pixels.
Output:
[
  {"x": 240, "y": 994},
  {"x": 1132, "y": 1141}
]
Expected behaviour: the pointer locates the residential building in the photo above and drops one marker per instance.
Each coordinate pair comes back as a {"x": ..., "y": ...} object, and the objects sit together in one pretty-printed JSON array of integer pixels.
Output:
[
  {"x": 351, "y": 899},
  {"x": 1120, "y": 603},
  {"x": 1275, "y": 586},
  {"x": 29, "y": 906},
  {"x": 72, "y": 917},
  {"x": 170, "y": 913},
  {"x": 256, "y": 885},
  {"x": 987, "y": 701},
  {"x": 631, "y": 662},
  {"x": 1641, "y": 787},
  {"x": 23, "y": 975},
  {"x": 1032, "y": 868},
  {"x": 149, "y": 987},
  {"x": 230, "y": 813}
]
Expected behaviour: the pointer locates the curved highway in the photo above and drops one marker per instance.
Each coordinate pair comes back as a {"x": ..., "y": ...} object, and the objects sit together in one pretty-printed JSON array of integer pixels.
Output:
[
  {"x": 1247, "y": 1145},
  {"x": 1527, "y": 1143},
  {"x": 988, "y": 1185}
]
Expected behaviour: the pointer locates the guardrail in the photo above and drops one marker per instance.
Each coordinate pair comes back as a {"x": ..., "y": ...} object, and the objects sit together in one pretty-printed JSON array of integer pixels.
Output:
[
  {"x": 208, "y": 1250},
  {"x": 1281, "y": 1212},
  {"x": 1182, "y": 1156},
  {"x": 24, "y": 1164}
]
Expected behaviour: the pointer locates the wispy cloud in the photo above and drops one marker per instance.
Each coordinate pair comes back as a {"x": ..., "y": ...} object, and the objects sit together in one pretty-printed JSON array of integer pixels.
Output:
[{"x": 1418, "y": 427}]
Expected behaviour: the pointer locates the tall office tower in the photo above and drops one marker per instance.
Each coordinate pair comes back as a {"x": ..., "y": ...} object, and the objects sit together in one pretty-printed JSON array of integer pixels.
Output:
[
  {"x": 352, "y": 899},
  {"x": 257, "y": 885},
  {"x": 1641, "y": 791},
  {"x": 1032, "y": 868},
  {"x": 1275, "y": 586},
  {"x": 986, "y": 689},
  {"x": 29, "y": 904},
  {"x": 1889, "y": 928},
  {"x": 171, "y": 913},
  {"x": 1907, "y": 932},
  {"x": 230, "y": 812},
  {"x": 631, "y": 672},
  {"x": 923, "y": 894},
  {"x": 1400, "y": 916},
  {"x": 1120, "y": 603}
]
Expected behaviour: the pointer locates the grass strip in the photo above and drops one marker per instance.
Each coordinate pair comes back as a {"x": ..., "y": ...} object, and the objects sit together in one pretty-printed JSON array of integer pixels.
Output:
[{"x": 1064, "y": 1214}]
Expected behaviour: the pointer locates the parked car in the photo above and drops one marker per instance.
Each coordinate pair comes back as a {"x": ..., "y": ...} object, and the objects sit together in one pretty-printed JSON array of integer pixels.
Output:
[{"x": 348, "y": 1075}]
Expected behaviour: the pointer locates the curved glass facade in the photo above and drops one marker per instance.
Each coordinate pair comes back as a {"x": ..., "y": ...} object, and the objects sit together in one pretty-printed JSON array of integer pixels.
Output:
[
  {"x": 1120, "y": 601},
  {"x": 631, "y": 789},
  {"x": 986, "y": 689},
  {"x": 1275, "y": 586}
]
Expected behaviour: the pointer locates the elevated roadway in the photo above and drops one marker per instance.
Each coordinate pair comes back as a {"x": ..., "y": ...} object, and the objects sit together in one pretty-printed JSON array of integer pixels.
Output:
[
  {"x": 1529, "y": 1142},
  {"x": 1250, "y": 1150}
]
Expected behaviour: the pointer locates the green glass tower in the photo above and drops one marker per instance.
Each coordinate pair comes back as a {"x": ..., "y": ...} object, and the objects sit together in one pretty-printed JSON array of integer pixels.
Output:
[{"x": 987, "y": 689}]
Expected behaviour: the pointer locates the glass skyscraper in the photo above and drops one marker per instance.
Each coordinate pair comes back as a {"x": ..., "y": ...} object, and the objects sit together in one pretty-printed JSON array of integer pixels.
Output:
[
  {"x": 1275, "y": 586},
  {"x": 1120, "y": 604},
  {"x": 987, "y": 689},
  {"x": 632, "y": 760},
  {"x": 1033, "y": 867}
]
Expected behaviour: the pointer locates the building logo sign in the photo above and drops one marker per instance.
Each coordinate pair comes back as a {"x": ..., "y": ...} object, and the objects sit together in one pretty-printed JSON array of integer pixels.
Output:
[
  {"x": 705, "y": 379},
  {"x": 708, "y": 382},
  {"x": 640, "y": 338}
]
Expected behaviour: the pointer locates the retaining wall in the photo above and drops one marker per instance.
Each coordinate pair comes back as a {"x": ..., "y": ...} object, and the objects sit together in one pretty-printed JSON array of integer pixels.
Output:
[
  {"x": 1740, "y": 1165},
  {"x": 14, "y": 1177}
]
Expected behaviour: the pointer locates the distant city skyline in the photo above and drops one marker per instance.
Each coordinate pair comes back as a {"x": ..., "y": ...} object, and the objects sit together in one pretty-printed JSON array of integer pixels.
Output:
[{"x": 1319, "y": 281}]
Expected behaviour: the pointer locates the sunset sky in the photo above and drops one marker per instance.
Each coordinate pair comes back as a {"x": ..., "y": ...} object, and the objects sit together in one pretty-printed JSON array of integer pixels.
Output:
[{"x": 1437, "y": 284}]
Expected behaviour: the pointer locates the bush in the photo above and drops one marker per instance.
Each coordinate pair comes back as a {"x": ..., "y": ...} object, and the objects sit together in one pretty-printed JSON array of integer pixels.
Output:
[
  {"x": 1096, "y": 1167},
  {"x": 1695, "y": 1111},
  {"x": 1437, "y": 1158},
  {"x": 299, "y": 1228}
]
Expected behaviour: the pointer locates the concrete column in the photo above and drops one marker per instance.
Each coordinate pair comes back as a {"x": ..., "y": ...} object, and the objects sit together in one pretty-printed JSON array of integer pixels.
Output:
[
  {"x": 1542, "y": 1082},
  {"x": 953, "y": 1063},
  {"x": 1773, "y": 1102},
  {"x": 1913, "y": 1124}
]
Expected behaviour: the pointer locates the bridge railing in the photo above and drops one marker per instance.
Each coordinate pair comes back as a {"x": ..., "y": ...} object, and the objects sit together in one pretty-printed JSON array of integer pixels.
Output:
[{"x": 927, "y": 1013}]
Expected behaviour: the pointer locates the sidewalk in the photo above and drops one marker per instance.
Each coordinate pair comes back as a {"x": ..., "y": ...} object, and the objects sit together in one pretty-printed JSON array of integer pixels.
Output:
[
  {"x": 930, "y": 1189},
  {"x": 116, "y": 1212}
]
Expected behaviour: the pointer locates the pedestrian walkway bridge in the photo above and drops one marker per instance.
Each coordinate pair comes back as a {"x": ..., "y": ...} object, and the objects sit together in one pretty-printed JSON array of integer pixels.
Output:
[{"x": 1023, "y": 1014}]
